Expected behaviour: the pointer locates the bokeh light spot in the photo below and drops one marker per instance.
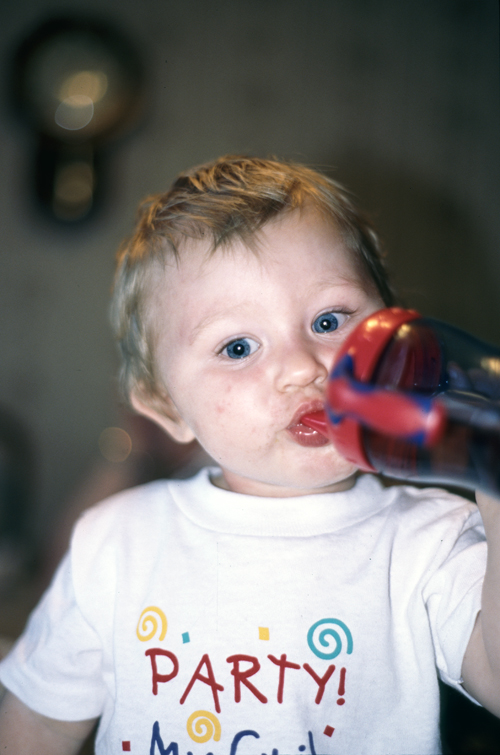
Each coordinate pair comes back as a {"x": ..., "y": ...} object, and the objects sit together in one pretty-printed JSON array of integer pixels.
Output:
[
  {"x": 115, "y": 444},
  {"x": 75, "y": 112},
  {"x": 91, "y": 84}
]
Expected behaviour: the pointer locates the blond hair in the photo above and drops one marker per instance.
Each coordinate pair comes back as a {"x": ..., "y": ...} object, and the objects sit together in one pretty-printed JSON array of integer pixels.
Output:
[{"x": 232, "y": 197}]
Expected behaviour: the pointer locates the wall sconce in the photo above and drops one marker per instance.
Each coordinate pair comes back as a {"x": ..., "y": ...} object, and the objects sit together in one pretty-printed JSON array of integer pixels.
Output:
[{"x": 78, "y": 84}]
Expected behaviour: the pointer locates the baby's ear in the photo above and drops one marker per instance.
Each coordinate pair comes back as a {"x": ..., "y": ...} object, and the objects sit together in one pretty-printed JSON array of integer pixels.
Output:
[{"x": 162, "y": 410}]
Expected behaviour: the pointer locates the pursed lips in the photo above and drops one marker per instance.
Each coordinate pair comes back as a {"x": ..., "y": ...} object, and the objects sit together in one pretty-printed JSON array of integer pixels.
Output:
[{"x": 302, "y": 434}]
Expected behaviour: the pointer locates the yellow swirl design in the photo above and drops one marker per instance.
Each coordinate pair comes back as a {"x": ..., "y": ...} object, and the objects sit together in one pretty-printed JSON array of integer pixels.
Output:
[
  {"x": 206, "y": 727},
  {"x": 150, "y": 620}
]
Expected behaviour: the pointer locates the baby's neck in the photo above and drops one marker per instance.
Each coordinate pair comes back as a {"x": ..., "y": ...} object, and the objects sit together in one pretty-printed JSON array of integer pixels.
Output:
[{"x": 224, "y": 481}]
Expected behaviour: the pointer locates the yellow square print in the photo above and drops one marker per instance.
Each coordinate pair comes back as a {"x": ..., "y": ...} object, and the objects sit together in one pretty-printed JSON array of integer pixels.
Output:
[{"x": 263, "y": 633}]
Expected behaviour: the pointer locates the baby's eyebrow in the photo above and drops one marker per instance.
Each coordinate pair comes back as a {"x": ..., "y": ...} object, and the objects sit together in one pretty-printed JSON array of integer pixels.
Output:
[
  {"x": 220, "y": 314},
  {"x": 338, "y": 282}
]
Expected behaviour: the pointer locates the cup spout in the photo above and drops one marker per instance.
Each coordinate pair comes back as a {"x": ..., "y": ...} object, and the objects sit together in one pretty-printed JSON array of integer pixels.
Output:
[{"x": 317, "y": 421}]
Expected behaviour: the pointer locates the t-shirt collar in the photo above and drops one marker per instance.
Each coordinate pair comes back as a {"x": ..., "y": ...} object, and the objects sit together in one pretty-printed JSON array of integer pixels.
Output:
[{"x": 234, "y": 513}]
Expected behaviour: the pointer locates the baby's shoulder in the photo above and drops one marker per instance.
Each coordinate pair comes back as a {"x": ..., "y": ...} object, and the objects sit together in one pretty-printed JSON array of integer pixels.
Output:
[
  {"x": 128, "y": 506},
  {"x": 121, "y": 535},
  {"x": 135, "y": 519},
  {"x": 431, "y": 506},
  {"x": 411, "y": 496}
]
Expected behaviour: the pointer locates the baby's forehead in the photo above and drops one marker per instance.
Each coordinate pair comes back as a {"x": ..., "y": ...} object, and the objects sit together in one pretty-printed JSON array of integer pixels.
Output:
[
  {"x": 265, "y": 241},
  {"x": 293, "y": 241}
]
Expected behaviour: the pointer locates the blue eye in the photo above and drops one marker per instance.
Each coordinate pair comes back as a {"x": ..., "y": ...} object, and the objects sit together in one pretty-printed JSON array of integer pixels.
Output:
[
  {"x": 240, "y": 348},
  {"x": 328, "y": 322}
]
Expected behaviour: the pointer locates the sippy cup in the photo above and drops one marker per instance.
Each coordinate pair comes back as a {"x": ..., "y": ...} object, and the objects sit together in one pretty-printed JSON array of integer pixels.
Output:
[{"x": 416, "y": 399}]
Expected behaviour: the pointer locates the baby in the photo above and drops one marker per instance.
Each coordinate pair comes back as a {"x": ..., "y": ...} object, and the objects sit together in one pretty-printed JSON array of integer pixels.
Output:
[{"x": 278, "y": 602}]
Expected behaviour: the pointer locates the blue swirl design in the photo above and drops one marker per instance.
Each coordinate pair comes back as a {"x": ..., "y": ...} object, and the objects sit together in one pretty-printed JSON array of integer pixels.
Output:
[{"x": 325, "y": 636}]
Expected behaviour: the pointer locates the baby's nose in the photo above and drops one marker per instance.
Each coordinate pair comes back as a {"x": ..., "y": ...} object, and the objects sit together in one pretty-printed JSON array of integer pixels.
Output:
[{"x": 301, "y": 365}]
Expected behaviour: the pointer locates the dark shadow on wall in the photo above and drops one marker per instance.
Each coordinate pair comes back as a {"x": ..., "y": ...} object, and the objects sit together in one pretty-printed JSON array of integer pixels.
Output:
[
  {"x": 436, "y": 249},
  {"x": 17, "y": 485},
  {"x": 466, "y": 728}
]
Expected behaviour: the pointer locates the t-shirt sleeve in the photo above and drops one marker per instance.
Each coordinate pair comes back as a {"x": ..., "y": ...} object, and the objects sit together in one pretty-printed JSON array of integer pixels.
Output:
[
  {"x": 453, "y": 599},
  {"x": 55, "y": 667}
]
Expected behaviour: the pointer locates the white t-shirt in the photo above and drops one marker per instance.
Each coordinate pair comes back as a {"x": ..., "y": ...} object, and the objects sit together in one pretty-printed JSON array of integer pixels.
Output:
[{"x": 196, "y": 620}]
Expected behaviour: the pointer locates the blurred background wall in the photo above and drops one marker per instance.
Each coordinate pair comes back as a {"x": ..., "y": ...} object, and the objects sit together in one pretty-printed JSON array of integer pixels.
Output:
[{"x": 397, "y": 99}]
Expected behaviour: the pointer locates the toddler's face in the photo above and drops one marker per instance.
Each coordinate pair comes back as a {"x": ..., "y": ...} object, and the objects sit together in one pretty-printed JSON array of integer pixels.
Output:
[{"x": 245, "y": 344}]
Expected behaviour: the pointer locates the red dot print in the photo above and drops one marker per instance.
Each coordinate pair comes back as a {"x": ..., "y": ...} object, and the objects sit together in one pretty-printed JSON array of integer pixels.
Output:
[
  {"x": 126, "y": 747},
  {"x": 329, "y": 731}
]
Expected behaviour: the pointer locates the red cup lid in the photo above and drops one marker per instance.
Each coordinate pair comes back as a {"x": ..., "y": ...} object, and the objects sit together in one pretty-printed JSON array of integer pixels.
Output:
[{"x": 365, "y": 345}]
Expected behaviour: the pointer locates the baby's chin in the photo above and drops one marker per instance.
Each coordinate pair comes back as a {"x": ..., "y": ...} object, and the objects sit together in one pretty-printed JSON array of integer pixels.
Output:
[{"x": 325, "y": 471}]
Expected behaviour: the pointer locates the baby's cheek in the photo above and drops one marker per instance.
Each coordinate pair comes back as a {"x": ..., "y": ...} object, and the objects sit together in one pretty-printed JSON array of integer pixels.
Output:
[
  {"x": 221, "y": 414},
  {"x": 224, "y": 405}
]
